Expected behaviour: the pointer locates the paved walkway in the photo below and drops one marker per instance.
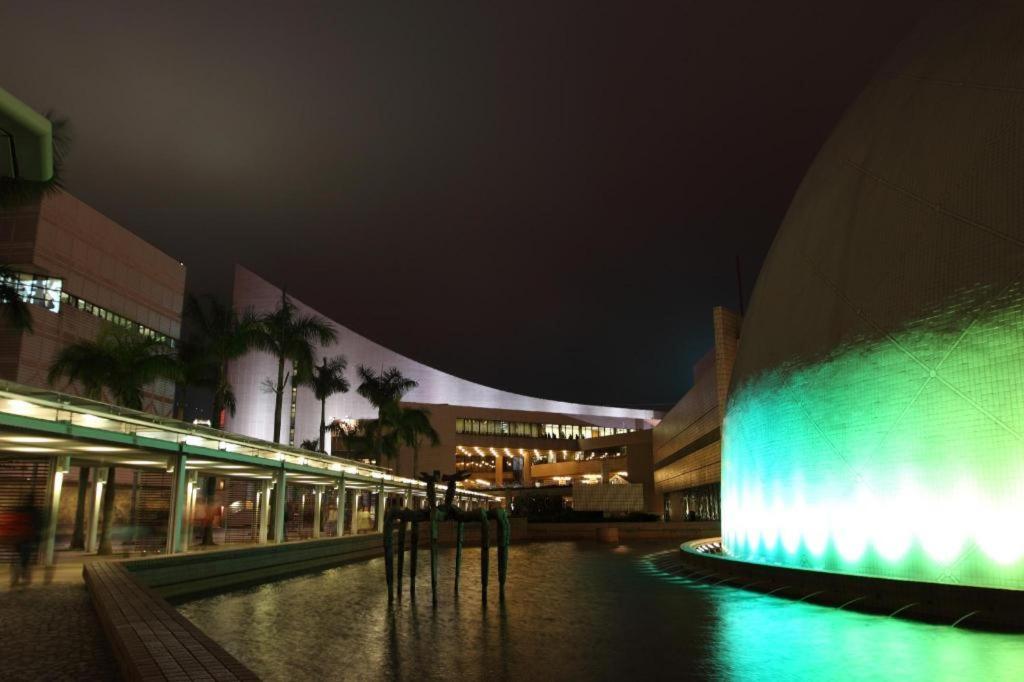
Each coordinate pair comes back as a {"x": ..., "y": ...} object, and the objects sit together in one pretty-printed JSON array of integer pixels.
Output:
[{"x": 50, "y": 632}]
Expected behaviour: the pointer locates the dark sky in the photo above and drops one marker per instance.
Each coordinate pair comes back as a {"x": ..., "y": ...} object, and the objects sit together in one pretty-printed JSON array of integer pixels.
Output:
[{"x": 544, "y": 197}]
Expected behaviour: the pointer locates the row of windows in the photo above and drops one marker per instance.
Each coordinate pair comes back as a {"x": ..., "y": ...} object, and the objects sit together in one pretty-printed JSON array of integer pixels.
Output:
[
  {"x": 112, "y": 317},
  {"x": 510, "y": 462},
  {"x": 48, "y": 292},
  {"x": 494, "y": 427},
  {"x": 37, "y": 289}
]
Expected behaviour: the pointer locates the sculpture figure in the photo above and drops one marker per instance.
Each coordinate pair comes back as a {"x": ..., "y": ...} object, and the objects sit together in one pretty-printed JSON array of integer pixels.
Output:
[{"x": 436, "y": 514}]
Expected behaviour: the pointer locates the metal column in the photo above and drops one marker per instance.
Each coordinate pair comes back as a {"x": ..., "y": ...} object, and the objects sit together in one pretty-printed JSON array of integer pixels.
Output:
[
  {"x": 341, "y": 501},
  {"x": 354, "y": 530},
  {"x": 60, "y": 465},
  {"x": 381, "y": 502},
  {"x": 280, "y": 501},
  {"x": 176, "y": 518},
  {"x": 317, "y": 511},
  {"x": 264, "y": 519},
  {"x": 95, "y": 509}
]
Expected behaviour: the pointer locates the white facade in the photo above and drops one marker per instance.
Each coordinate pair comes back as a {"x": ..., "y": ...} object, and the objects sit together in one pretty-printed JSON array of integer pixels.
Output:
[{"x": 256, "y": 405}]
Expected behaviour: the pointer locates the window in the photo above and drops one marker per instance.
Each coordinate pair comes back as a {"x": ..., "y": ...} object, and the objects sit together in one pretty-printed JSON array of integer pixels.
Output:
[
  {"x": 112, "y": 317},
  {"x": 37, "y": 290},
  {"x": 495, "y": 427}
]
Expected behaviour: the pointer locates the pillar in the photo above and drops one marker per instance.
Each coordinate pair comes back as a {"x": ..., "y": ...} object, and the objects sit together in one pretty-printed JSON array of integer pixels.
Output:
[
  {"x": 59, "y": 466},
  {"x": 176, "y": 517},
  {"x": 527, "y": 470},
  {"x": 190, "y": 508},
  {"x": 317, "y": 509},
  {"x": 341, "y": 501},
  {"x": 280, "y": 501},
  {"x": 499, "y": 470},
  {"x": 95, "y": 509},
  {"x": 264, "y": 519},
  {"x": 381, "y": 502},
  {"x": 354, "y": 529}
]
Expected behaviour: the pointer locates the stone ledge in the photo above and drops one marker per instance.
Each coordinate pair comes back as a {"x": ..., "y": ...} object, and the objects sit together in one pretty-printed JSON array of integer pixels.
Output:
[
  {"x": 149, "y": 638},
  {"x": 948, "y": 604}
]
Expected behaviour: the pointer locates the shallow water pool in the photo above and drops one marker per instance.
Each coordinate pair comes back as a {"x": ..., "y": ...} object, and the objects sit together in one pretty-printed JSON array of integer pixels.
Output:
[{"x": 578, "y": 611}]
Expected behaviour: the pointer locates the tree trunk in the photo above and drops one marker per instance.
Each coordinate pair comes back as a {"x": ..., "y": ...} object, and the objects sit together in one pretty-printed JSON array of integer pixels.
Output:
[
  {"x": 323, "y": 423},
  {"x": 107, "y": 522},
  {"x": 415, "y": 460},
  {"x": 78, "y": 534},
  {"x": 218, "y": 398},
  {"x": 278, "y": 398}
]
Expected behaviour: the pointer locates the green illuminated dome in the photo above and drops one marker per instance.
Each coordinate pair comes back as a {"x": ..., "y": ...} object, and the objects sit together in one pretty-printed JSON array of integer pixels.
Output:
[{"x": 876, "y": 420}]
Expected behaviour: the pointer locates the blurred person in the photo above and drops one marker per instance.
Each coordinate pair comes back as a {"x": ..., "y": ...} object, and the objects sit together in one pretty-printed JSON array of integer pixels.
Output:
[{"x": 25, "y": 527}]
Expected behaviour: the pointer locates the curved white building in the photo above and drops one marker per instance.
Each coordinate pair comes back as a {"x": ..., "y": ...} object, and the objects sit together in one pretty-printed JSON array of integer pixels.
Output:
[{"x": 466, "y": 414}]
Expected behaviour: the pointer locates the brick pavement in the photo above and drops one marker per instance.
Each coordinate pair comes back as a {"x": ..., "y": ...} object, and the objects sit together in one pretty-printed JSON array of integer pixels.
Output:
[{"x": 51, "y": 632}]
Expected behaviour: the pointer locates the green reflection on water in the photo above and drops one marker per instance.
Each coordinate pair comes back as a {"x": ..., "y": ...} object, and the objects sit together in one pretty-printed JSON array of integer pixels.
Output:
[{"x": 579, "y": 611}]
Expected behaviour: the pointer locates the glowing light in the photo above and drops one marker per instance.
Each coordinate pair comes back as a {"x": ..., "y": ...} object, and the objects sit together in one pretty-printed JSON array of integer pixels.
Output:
[
  {"x": 19, "y": 407},
  {"x": 868, "y": 463}
]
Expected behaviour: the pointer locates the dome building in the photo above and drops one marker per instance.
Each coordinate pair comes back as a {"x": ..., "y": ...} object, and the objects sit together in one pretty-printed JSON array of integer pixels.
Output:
[{"x": 875, "y": 424}]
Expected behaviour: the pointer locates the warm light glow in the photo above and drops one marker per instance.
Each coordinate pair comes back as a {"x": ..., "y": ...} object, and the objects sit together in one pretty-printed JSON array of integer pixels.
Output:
[
  {"x": 19, "y": 407},
  {"x": 29, "y": 439},
  {"x": 92, "y": 421}
]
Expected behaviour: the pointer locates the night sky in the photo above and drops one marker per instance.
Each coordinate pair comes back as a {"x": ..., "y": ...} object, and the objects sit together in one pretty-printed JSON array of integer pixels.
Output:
[{"x": 544, "y": 197}]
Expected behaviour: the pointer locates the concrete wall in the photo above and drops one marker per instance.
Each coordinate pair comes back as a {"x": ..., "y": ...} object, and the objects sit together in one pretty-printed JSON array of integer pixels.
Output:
[
  {"x": 99, "y": 262},
  {"x": 628, "y": 532},
  {"x": 687, "y": 442},
  {"x": 185, "y": 576}
]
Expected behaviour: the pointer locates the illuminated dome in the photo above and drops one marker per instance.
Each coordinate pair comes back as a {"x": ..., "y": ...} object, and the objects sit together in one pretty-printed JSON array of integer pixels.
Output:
[{"x": 876, "y": 419}]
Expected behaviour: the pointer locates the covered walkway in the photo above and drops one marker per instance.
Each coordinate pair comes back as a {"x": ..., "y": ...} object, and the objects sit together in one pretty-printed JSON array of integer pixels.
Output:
[{"x": 177, "y": 487}]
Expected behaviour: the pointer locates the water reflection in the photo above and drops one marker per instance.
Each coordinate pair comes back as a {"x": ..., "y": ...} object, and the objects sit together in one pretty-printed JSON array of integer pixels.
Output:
[{"x": 578, "y": 610}]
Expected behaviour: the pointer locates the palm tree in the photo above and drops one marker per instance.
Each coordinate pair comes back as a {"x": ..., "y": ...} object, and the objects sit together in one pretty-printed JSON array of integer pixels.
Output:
[
  {"x": 13, "y": 307},
  {"x": 384, "y": 391},
  {"x": 119, "y": 363},
  {"x": 413, "y": 427},
  {"x": 290, "y": 337},
  {"x": 328, "y": 379},
  {"x": 372, "y": 439},
  {"x": 219, "y": 334}
]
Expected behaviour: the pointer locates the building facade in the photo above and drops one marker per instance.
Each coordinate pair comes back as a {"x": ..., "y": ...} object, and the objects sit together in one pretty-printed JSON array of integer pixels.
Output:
[
  {"x": 505, "y": 439},
  {"x": 687, "y": 444},
  {"x": 876, "y": 420},
  {"x": 81, "y": 271}
]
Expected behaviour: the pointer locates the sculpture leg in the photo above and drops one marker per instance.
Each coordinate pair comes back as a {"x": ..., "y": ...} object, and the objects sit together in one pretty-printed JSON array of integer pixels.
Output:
[
  {"x": 485, "y": 547},
  {"x": 389, "y": 557},
  {"x": 458, "y": 553},
  {"x": 401, "y": 552},
  {"x": 503, "y": 532},
  {"x": 433, "y": 556},
  {"x": 414, "y": 545}
]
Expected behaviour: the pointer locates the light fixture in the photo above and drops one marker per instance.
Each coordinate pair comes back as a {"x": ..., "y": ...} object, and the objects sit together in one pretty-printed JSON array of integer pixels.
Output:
[
  {"x": 19, "y": 407},
  {"x": 29, "y": 439}
]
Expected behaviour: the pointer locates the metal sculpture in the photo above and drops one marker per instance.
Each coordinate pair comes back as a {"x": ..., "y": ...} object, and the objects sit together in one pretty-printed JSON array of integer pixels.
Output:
[{"x": 435, "y": 514}]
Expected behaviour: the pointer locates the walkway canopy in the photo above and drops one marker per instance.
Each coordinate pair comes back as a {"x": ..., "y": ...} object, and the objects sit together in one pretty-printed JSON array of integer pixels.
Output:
[{"x": 74, "y": 432}]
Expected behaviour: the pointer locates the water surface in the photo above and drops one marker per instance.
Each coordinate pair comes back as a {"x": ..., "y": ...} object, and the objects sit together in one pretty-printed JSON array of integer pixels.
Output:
[{"x": 574, "y": 611}]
